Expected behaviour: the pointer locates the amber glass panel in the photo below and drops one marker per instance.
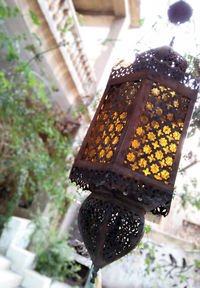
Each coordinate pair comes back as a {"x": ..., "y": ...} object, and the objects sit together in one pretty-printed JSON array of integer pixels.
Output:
[
  {"x": 110, "y": 123},
  {"x": 153, "y": 147}
]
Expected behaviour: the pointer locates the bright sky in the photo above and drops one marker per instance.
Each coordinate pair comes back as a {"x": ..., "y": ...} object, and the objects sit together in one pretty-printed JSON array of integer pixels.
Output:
[{"x": 187, "y": 35}]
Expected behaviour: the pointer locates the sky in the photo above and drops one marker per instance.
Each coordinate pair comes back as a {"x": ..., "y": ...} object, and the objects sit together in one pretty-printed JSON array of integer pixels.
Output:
[
  {"x": 152, "y": 11},
  {"x": 187, "y": 36}
]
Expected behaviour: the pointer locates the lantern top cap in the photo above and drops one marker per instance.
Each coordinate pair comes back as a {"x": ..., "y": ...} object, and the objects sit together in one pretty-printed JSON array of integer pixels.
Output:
[
  {"x": 165, "y": 55},
  {"x": 163, "y": 62}
]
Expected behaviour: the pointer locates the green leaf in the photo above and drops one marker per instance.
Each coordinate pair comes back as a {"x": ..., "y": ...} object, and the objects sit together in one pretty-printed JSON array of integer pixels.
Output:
[
  {"x": 37, "y": 38},
  {"x": 80, "y": 18},
  {"x": 2, "y": 12},
  {"x": 197, "y": 263},
  {"x": 147, "y": 229},
  {"x": 3, "y": 81},
  {"x": 30, "y": 47},
  {"x": 196, "y": 203},
  {"x": 158, "y": 267},
  {"x": 194, "y": 182},
  {"x": 15, "y": 12},
  {"x": 147, "y": 261},
  {"x": 34, "y": 18},
  {"x": 63, "y": 30},
  {"x": 8, "y": 12},
  {"x": 11, "y": 55},
  {"x": 69, "y": 20},
  {"x": 32, "y": 80},
  {"x": 182, "y": 277},
  {"x": 141, "y": 22}
]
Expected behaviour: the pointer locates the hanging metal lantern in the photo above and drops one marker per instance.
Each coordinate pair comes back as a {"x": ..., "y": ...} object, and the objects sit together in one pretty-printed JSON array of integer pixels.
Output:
[
  {"x": 179, "y": 12},
  {"x": 130, "y": 155}
]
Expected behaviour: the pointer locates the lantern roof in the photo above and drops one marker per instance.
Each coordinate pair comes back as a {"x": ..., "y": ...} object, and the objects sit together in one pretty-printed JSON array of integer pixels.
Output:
[
  {"x": 163, "y": 61},
  {"x": 158, "y": 59}
]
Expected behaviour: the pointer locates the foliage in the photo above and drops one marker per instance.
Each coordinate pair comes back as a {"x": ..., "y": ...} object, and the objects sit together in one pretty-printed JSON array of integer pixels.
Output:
[
  {"x": 167, "y": 267},
  {"x": 42, "y": 230},
  {"x": 197, "y": 263},
  {"x": 79, "y": 110},
  {"x": 6, "y": 12},
  {"x": 195, "y": 123},
  {"x": 34, "y": 18},
  {"x": 194, "y": 69},
  {"x": 190, "y": 193},
  {"x": 56, "y": 260},
  {"x": 54, "y": 256},
  {"x": 33, "y": 148}
]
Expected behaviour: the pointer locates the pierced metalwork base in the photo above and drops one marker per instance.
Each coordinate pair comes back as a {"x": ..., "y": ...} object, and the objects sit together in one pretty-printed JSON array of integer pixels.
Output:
[{"x": 109, "y": 228}]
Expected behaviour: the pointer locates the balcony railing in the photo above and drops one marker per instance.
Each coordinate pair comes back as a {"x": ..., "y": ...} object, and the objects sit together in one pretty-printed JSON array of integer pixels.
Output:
[{"x": 62, "y": 20}]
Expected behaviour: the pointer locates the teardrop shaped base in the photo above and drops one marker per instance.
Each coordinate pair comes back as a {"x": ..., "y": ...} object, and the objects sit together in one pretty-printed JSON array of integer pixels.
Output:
[{"x": 110, "y": 229}]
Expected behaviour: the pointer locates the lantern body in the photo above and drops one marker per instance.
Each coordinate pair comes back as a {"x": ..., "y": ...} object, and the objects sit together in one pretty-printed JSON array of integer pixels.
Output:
[{"x": 132, "y": 148}]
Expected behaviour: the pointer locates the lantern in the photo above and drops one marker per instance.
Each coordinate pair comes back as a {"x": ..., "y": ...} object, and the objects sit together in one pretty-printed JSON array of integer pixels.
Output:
[
  {"x": 130, "y": 155},
  {"x": 179, "y": 12}
]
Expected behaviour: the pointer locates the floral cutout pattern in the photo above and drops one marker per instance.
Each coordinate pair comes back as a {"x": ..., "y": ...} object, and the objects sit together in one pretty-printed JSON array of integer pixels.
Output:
[
  {"x": 154, "y": 145},
  {"x": 110, "y": 123}
]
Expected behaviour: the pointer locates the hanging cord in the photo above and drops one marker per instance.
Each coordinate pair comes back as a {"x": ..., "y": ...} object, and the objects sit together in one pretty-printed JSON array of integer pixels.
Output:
[
  {"x": 94, "y": 274},
  {"x": 172, "y": 42},
  {"x": 91, "y": 277}
]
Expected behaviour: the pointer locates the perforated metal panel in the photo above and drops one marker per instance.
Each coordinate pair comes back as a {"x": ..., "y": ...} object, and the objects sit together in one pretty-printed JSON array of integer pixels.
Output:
[
  {"x": 139, "y": 126},
  {"x": 155, "y": 140},
  {"x": 109, "y": 230},
  {"x": 110, "y": 123}
]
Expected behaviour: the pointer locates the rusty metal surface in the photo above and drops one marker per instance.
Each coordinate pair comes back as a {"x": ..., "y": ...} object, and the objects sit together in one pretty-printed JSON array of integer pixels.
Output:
[
  {"x": 110, "y": 229},
  {"x": 138, "y": 192},
  {"x": 132, "y": 150},
  {"x": 136, "y": 132},
  {"x": 160, "y": 61},
  {"x": 142, "y": 137}
]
